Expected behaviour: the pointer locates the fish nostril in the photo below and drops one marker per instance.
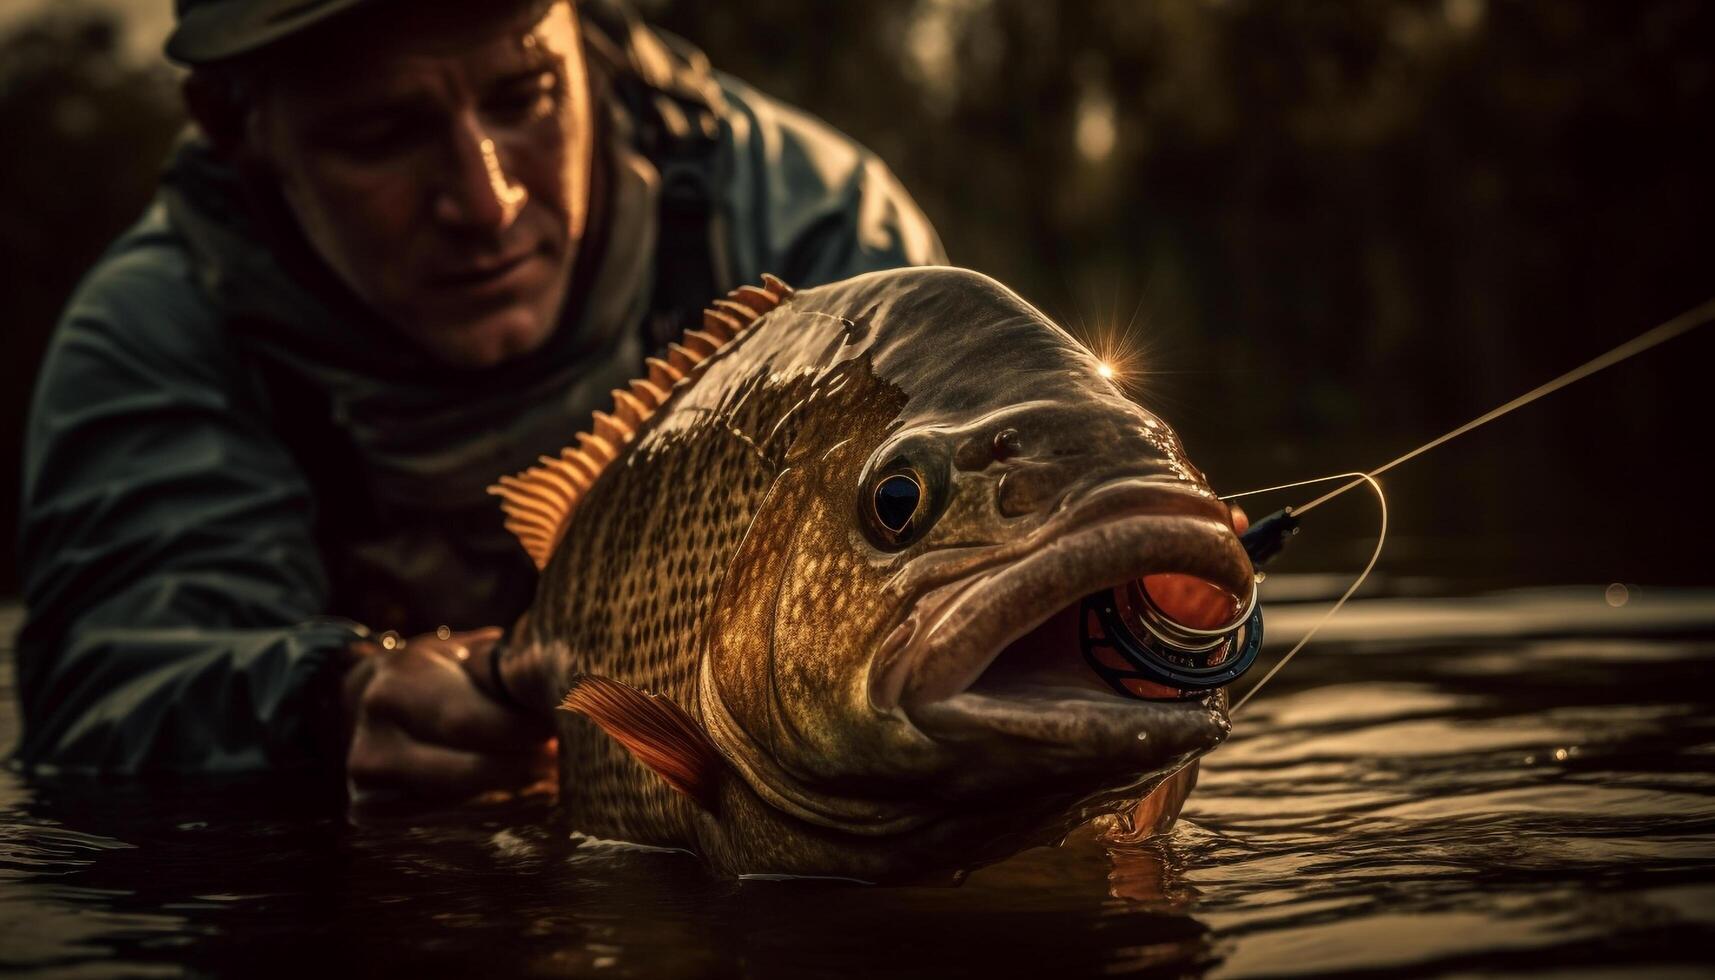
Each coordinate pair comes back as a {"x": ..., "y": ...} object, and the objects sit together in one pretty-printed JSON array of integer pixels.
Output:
[
  {"x": 1028, "y": 490},
  {"x": 1006, "y": 444}
]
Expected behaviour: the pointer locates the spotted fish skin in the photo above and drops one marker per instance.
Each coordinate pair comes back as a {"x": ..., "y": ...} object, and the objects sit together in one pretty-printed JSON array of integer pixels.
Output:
[
  {"x": 725, "y": 561},
  {"x": 631, "y": 594}
]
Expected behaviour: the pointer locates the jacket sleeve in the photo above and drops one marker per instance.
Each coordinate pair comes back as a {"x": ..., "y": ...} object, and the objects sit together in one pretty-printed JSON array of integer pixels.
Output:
[
  {"x": 169, "y": 568},
  {"x": 810, "y": 205}
]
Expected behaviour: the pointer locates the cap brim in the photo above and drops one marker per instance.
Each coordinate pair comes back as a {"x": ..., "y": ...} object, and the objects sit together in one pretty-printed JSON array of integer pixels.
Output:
[{"x": 212, "y": 32}]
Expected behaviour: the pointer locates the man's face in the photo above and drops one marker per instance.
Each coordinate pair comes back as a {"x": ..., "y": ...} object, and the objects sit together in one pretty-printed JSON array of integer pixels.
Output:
[{"x": 441, "y": 168}]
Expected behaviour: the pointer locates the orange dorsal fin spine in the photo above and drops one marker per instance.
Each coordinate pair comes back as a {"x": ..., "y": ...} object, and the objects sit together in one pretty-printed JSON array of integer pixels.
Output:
[
  {"x": 539, "y": 501},
  {"x": 682, "y": 358},
  {"x": 648, "y": 392},
  {"x": 721, "y": 326},
  {"x": 596, "y": 449},
  {"x": 732, "y": 309},
  {"x": 628, "y": 408},
  {"x": 661, "y": 374},
  {"x": 657, "y": 733},
  {"x": 580, "y": 465},
  {"x": 612, "y": 431}
]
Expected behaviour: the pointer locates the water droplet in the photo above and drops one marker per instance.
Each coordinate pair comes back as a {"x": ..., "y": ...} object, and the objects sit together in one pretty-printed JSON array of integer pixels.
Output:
[
  {"x": 1560, "y": 755},
  {"x": 1617, "y": 595},
  {"x": 1143, "y": 736}
]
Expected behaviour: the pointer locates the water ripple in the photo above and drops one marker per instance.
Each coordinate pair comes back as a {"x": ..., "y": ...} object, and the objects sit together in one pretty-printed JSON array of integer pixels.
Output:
[{"x": 1512, "y": 785}]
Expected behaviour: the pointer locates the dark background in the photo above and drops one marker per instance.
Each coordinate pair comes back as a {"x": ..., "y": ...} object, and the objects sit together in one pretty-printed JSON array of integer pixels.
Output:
[{"x": 1327, "y": 231}]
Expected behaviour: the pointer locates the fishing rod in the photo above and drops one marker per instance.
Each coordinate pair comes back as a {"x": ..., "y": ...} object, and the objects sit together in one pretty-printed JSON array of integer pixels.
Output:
[{"x": 1129, "y": 638}]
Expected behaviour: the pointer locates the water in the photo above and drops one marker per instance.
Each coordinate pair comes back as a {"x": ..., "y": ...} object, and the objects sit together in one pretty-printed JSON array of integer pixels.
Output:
[{"x": 1510, "y": 784}]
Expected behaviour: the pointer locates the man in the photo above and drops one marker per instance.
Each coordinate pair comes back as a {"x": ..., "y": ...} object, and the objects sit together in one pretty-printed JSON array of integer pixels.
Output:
[{"x": 411, "y": 246}]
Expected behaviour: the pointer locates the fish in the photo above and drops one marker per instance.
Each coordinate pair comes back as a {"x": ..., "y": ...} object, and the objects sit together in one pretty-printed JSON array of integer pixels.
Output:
[{"x": 808, "y": 591}]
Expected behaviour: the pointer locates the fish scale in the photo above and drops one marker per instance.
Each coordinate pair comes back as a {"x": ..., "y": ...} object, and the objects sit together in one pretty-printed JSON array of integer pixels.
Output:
[{"x": 657, "y": 529}]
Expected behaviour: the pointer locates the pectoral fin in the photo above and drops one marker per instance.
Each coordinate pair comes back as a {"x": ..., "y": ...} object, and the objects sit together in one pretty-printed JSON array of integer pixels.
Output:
[{"x": 657, "y": 733}]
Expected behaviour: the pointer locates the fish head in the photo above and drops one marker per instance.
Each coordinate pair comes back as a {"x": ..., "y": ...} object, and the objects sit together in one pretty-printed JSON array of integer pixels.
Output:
[{"x": 894, "y": 667}]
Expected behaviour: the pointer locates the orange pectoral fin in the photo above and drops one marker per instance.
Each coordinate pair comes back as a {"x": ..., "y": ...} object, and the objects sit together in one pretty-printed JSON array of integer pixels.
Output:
[{"x": 657, "y": 733}]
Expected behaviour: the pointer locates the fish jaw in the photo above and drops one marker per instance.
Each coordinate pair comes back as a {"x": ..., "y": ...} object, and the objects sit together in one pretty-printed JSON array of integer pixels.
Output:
[
  {"x": 1063, "y": 723},
  {"x": 1121, "y": 531}
]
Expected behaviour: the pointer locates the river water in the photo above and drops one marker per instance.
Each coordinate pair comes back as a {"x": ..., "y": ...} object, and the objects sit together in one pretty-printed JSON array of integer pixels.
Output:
[{"x": 1516, "y": 783}]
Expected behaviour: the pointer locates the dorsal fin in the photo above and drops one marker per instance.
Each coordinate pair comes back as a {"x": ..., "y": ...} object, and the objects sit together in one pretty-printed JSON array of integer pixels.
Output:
[{"x": 539, "y": 501}]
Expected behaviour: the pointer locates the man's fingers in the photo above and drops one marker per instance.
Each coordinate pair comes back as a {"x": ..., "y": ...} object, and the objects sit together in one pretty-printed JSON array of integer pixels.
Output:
[
  {"x": 428, "y": 688},
  {"x": 460, "y": 715},
  {"x": 388, "y": 760},
  {"x": 460, "y": 648},
  {"x": 509, "y": 674},
  {"x": 424, "y": 730}
]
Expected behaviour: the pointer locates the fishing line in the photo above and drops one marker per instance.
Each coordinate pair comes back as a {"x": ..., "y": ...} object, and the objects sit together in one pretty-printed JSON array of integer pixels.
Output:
[
  {"x": 1685, "y": 322},
  {"x": 1375, "y": 556},
  {"x": 1691, "y": 319}
]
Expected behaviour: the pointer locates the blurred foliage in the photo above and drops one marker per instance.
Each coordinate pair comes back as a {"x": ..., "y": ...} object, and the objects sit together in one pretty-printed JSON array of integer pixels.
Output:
[
  {"x": 1332, "y": 229},
  {"x": 1327, "y": 230},
  {"x": 88, "y": 135}
]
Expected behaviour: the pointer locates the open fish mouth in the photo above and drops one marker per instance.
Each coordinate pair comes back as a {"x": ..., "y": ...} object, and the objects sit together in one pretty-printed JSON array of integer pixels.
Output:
[{"x": 995, "y": 651}]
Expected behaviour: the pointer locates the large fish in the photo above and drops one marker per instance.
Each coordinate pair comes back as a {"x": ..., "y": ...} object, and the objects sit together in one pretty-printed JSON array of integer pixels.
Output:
[{"x": 813, "y": 585}]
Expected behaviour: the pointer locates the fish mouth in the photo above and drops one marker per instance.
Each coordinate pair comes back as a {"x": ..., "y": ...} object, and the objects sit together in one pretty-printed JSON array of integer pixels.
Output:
[{"x": 994, "y": 651}]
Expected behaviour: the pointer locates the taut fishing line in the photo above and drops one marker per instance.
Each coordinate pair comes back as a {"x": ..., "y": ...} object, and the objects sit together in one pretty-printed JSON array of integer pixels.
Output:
[
  {"x": 1685, "y": 322},
  {"x": 1690, "y": 320}
]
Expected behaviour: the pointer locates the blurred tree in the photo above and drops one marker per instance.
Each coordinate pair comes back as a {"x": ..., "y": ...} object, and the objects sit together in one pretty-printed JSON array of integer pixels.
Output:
[
  {"x": 1331, "y": 229},
  {"x": 1339, "y": 228},
  {"x": 88, "y": 134}
]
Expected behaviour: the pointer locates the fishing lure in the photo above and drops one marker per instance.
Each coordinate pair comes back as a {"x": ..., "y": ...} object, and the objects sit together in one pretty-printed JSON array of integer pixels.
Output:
[{"x": 1126, "y": 636}]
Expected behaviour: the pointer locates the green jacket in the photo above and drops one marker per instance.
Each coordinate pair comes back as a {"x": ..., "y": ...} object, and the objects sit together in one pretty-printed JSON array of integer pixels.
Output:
[{"x": 231, "y": 468}]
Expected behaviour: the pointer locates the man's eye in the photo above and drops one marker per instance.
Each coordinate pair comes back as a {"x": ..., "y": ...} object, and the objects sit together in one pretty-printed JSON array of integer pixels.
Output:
[
  {"x": 527, "y": 98},
  {"x": 373, "y": 138}
]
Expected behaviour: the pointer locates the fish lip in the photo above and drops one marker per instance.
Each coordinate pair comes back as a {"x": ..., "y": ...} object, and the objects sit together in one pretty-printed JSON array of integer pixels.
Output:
[
  {"x": 1125, "y": 742},
  {"x": 1120, "y": 530}
]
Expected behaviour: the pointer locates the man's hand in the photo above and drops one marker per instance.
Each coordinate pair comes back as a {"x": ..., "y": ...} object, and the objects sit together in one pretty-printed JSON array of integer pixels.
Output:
[{"x": 420, "y": 727}]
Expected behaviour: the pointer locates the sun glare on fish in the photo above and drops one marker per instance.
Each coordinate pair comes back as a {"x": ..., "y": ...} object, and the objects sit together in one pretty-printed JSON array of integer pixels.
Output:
[
  {"x": 1119, "y": 355},
  {"x": 1118, "y": 343},
  {"x": 1116, "y": 358}
]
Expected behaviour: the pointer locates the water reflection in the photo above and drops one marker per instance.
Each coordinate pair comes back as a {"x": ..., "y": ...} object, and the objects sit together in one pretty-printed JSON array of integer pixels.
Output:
[
  {"x": 236, "y": 880},
  {"x": 1505, "y": 802}
]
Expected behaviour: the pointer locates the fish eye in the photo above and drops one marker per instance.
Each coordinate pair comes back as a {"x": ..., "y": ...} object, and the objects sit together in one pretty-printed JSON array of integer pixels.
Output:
[
  {"x": 903, "y": 488},
  {"x": 896, "y": 499}
]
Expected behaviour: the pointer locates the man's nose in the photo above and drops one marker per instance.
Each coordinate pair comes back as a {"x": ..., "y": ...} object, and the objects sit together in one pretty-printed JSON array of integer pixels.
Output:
[{"x": 476, "y": 193}]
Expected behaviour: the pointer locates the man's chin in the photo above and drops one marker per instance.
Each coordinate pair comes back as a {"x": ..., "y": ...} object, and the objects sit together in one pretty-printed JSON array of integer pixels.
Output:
[{"x": 485, "y": 341}]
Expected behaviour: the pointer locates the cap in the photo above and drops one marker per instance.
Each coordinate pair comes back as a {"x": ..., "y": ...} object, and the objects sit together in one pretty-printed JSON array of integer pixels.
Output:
[{"x": 216, "y": 30}]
